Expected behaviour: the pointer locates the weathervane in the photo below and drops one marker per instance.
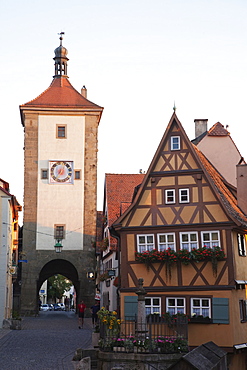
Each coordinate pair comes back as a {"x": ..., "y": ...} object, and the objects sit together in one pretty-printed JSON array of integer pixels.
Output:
[{"x": 61, "y": 36}]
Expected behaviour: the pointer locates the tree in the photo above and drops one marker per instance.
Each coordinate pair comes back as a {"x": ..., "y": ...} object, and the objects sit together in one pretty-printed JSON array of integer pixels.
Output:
[{"x": 57, "y": 285}]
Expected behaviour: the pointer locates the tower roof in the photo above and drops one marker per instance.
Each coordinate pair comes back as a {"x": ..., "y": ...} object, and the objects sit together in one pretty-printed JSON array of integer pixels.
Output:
[{"x": 61, "y": 95}]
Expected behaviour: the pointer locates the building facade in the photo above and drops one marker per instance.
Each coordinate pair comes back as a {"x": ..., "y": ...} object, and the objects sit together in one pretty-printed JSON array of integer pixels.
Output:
[
  {"x": 9, "y": 208},
  {"x": 60, "y": 180},
  {"x": 185, "y": 235}
]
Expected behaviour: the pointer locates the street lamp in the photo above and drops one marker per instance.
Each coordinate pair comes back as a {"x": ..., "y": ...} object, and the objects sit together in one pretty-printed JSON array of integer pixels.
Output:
[{"x": 58, "y": 246}]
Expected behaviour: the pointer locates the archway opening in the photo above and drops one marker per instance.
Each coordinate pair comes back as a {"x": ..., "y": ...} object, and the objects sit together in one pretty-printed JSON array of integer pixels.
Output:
[{"x": 57, "y": 273}]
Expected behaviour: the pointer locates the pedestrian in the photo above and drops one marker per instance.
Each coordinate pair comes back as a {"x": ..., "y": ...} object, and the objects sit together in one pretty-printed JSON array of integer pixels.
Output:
[
  {"x": 81, "y": 309},
  {"x": 94, "y": 310}
]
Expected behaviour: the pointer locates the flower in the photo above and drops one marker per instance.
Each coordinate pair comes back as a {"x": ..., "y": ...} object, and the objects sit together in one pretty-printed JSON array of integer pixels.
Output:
[
  {"x": 109, "y": 320},
  {"x": 170, "y": 256}
]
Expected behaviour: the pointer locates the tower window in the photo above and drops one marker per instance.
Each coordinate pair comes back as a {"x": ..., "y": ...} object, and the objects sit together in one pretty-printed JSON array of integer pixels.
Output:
[
  {"x": 44, "y": 174},
  {"x": 59, "y": 232},
  {"x": 61, "y": 132},
  {"x": 77, "y": 175}
]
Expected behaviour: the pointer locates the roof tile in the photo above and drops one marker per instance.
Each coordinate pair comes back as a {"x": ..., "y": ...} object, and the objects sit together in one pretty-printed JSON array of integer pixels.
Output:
[{"x": 61, "y": 94}]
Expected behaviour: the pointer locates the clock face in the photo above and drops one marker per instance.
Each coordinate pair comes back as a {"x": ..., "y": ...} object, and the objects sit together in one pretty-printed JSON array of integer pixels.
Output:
[{"x": 61, "y": 172}]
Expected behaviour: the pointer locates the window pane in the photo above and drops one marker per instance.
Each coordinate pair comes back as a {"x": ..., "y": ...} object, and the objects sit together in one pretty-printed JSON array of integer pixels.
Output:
[
  {"x": 61, "y": 131},
  {"x": 196, "y": 302},
  {"x": 171, "y": 302},
  {"x": 205, "y": 302},
  {"x": 170, "y": 238},
  {"x": 196, "y": 311},
  {"x": 180, "y": 310},
  {"x": 150, "y": 239},
  {"x": 156, "y": 310},
  {"x": 180, "y": 302},
  {"x": 148, "y": 310},
  {"x": 148, "y": 301},
  {"x": 205, "y": 312},
  {"x": 171, "y": 311},
  {"x": 142, "y": 239},
  {"x": 162, "y": 238},
  {"x": 193, "y": 237},
  {"x": 156, "y": 302},
  {"x": 185, "y": 237},
  {"x": 214, "y": 236},
  {"x": 206, "y": 237}
]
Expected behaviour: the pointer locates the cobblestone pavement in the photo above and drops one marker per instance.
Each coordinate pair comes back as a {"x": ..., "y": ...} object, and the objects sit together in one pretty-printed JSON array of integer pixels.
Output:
[{"x": 46, "y": 342}]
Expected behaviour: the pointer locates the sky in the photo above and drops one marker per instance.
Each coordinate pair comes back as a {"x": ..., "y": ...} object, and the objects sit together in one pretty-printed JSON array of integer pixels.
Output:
[{"x": 136, "y": 58}]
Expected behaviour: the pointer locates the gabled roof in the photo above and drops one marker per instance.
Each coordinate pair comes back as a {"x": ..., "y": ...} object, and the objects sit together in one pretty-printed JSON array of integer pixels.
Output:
[
  {"x": 218, "y": 130},
  {"x": 226, "y": 196},
  {"x": 61, "y": 94},
  {"x": 217, "y": 182},
  {"x": 119, "y": 190}
]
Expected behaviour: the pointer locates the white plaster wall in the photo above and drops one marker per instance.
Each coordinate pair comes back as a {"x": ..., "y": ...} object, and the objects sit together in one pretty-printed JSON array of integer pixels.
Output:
[
  {"x": 223, "y": 154},
  {"x": 60, "y": 203},
  {"x": 5, "y": 256}
]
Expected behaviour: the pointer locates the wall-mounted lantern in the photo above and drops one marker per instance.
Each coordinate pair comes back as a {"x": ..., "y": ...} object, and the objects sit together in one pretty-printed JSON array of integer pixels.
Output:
[{"x": 58, "y": 246}]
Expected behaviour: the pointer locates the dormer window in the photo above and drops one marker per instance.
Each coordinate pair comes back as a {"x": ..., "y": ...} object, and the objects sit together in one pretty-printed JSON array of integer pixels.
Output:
[{"x": 175, "y": 143}]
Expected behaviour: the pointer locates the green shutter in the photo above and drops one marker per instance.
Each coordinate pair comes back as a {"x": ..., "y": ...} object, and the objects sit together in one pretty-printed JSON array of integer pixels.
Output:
[
  {"x": 220, "y": 310},
  {"x": 130, "y": 307}
]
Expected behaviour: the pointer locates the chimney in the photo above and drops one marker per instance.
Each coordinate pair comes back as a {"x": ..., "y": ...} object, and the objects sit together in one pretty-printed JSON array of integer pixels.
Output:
[
  {"x": 242, "y": 187},
  {"x": 201, "y": 126},
  {"x": 84, "y": 91}
]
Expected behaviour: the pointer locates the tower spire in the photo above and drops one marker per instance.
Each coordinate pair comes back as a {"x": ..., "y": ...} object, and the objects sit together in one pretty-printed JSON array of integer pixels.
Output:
[{"x": 61, "y": 59}]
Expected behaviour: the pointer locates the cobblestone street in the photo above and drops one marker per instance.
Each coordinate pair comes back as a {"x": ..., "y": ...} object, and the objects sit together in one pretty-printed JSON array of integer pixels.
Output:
[{"x": 46, "y": 342}]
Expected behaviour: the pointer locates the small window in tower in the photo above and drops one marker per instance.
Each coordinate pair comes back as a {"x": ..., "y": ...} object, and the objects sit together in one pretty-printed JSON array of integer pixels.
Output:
[
  {"x": 61, "y": 132},
  {"x": 77, "y": 174},
  {"x": 44, "y": 174},
  {"x": 59, "y": 232}
]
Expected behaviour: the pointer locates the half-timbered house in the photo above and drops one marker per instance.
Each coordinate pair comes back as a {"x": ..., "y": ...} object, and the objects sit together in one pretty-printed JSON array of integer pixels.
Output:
[{"x": 185, "y": 235}]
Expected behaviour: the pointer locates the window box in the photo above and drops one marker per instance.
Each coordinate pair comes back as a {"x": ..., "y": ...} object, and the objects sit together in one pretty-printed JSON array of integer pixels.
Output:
[{"x": 200, "y": 320}]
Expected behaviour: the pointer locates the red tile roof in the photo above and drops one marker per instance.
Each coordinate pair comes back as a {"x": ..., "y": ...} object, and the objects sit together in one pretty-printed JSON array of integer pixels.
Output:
[
  {"x": 227, "y": 198},
  {"x": 218, "y": 130},
  {"x": 119, "y": 190},
  {"x": 61, "y": 94}
]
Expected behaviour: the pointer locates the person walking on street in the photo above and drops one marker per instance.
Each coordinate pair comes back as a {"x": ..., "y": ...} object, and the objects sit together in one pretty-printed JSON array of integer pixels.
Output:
[
  {"x": 94, "y": 310},
  {"x": 81, "y": 309}
]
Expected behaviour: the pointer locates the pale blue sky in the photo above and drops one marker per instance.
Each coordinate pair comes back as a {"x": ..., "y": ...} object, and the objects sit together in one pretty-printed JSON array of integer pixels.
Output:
[{"x": 136, "y": 58}]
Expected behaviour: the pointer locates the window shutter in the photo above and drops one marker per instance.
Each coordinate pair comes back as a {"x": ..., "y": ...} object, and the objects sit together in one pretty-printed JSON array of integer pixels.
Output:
[
  {"x": 220, "y": 308},
  {"x": 130, "y": 307}
]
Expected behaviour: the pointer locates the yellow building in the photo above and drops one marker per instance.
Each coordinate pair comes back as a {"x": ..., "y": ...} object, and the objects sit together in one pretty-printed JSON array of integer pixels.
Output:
[{"x": 185, "y": 235}]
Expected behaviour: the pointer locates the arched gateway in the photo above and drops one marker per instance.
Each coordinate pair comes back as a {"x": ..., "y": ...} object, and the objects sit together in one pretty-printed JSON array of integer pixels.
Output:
[{"x": 60, "y": 179}]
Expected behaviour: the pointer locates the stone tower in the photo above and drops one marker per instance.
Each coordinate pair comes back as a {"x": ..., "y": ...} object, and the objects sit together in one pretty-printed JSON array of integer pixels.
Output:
[{"x": 60, "y": 180}]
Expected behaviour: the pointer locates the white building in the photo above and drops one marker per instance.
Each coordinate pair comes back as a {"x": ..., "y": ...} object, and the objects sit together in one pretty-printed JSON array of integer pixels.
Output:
[{"x": 9, "y": 208}]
